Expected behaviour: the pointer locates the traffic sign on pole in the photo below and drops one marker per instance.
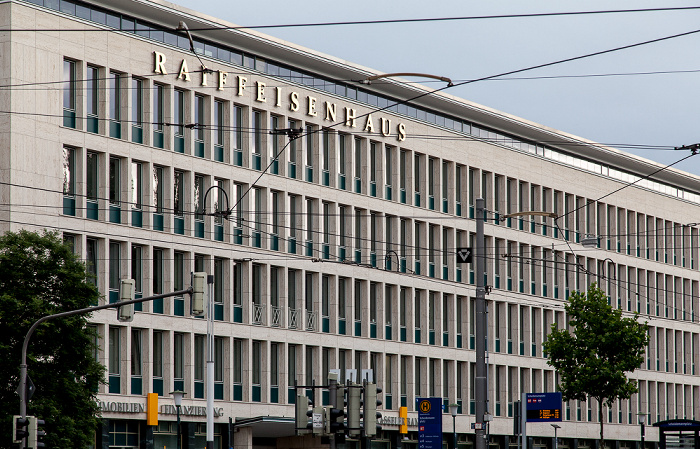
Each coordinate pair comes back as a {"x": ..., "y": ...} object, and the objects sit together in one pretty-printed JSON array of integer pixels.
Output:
[
  {"x": 429, "y": 423},
  {"x": 464, "y": 255}
]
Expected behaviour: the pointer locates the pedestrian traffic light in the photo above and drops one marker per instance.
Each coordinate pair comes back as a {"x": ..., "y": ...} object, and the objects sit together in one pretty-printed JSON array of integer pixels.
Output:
[
  {"x": 301, "y": 419},
  {"x": 337, "y": 420},
  {"x": 20, "y": 428},
  {"x": 36, "y": 435},
  {"x": 354, "y": 402},
  {"x": 370, "y": 414},
  {"x": 199, "y": 280},
  {"x": 126, "y": 293}
]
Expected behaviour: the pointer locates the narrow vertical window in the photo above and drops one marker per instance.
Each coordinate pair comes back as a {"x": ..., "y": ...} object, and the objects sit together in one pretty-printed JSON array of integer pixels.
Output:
[
  {"x": 237, "y": 370},
  {"x": 274, "y": 372},
  {"x": 179, "y": 120},
  {"x": 91, "y": 260},
  {"x": 179, "y": 113},
  {"x": 219, "y": 272},
  {"x": 274, "y": 144},
  {"x": 275, "y": 200},
  {"x": 115, "y": 190},
  {"x": 69, "y": 94},
  {"x": 68, "y": 181},
  {"x": 92, "y": 98},
  {"x": 257, "y": 140},
  {"x": 219, "y": 131},
  {"x": 115, "y": 360},
  {"x": 238, "y": 135},
  {"x": 179, "y": 282},
  {"x": 358, "y": 164},
  {"x": 115, "y": 129},
  {"x": 326, "y": 223},
  {"x": 199, "y": 362},
  {"x": 326, "y": 150},
  {"x": 256, "y": 377},
  {"x": 157, "y": 271},
  {"x": 179, "y": 361},
  {"x": 136, "y": 361},
  {"x": 114, "y": 181},
  {"x": 137, "y": 110},
  {"x": 218, "y": 368},
  {"x": 157, "y": 192},
  {"x": 158, "y": 362},
  {"x": 136, "y": 186},
  {"x": 137, "y": 271},
  {"x": 293, "y": 148},
  {"x": 114, "y": 271},
  {"x": 178, "y": 203},
  {"x": 157, "y": 116},
  {"x": 310, "y": 146},
  {"x": 342, "y": 156},
  {"x": 342, "y": 216},
  {"x": 199, "y": 125}
]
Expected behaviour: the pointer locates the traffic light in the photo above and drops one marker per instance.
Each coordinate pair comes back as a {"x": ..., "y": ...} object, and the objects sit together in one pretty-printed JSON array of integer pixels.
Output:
[
  {"x": 20, "y": 428},
  {"x": 370, "y": 410},
  {"x": 354, "y": 401},
  {"x": 301, "y": 419},
  {"x": 36, "y": 435},
  {"x": 337, "y": 420},
  {"x": 126, "y": 293},
  {"x": 338, "y": 412},
  {"x": 199, "y": 280}
]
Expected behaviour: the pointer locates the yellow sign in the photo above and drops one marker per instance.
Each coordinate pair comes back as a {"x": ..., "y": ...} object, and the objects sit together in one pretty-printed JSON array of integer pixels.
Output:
[
  {"x": 152, "y": 409},
  {"x": 425, "y": 406},
  {"x": 403, "y": 415}
]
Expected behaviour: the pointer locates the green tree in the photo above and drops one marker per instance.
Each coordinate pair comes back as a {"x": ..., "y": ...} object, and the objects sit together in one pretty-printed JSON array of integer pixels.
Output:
[
  {"x": 594, "y": 358},
  {"x": 39, "y": 276}
]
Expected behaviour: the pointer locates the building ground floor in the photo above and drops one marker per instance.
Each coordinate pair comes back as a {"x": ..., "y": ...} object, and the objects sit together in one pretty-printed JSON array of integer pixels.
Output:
[{"x": 265, "y": 432}]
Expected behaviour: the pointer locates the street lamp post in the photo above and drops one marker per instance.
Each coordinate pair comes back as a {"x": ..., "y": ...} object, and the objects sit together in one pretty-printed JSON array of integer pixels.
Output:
[
  {"x": 556, "y": 441},
  {"x": 177, "y": 397},
  {"x": 642, "y": 420},
  {"x": 453, "y": 411}
]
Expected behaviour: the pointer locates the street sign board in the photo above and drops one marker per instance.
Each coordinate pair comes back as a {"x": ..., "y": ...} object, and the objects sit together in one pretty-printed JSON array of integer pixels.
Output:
[
  {"x": 464, "y": 255},
  {"x": 318, "y": 421},
  {"x": 543, "y": 407},
  {"x": 429, "y": 423}
]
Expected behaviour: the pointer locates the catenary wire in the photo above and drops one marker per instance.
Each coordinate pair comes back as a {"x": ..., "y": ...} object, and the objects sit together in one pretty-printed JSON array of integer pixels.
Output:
[{"x": 390, "y": 21}]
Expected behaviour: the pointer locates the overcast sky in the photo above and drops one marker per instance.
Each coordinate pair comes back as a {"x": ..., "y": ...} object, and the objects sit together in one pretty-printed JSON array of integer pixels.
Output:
[{"x": 658, "y": 109}]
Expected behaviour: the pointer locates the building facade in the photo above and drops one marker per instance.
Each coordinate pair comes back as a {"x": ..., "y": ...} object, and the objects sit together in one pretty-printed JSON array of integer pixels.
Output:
[{"x": 340, "y": 249}]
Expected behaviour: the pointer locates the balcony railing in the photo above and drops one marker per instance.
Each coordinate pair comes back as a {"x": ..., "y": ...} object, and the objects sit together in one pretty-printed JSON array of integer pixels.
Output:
[
  {"x": 310, "y": 320},
  {"x": 258, "y": 313},
  {"x": 293, "y": 318},
  {"x": 277, "y": 316}
]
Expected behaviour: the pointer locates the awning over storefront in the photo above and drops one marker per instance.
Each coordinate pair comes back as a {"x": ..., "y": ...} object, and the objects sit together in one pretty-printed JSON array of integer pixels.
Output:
[{"x": 267, "y": 426}]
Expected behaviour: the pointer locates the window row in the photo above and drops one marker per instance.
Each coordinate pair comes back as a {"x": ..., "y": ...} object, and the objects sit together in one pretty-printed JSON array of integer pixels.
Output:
[
  {"x": 291, "y": 298},
  {"x": 145, "y": 360},
  {"x": 229, "y": 55}
]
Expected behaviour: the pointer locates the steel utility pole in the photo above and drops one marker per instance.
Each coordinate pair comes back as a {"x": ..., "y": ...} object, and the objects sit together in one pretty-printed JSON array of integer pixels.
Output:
[
  {"x": 480, "y": 317},
  {"x": 210, "y": 362}
]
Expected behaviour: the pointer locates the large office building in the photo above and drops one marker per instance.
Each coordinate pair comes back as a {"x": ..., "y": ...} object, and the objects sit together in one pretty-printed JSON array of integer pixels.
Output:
[{"x": 340, "y": 249}]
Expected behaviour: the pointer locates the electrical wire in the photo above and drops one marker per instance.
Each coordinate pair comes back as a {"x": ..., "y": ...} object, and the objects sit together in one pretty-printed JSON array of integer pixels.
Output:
[{"x": 390, "y": 21}]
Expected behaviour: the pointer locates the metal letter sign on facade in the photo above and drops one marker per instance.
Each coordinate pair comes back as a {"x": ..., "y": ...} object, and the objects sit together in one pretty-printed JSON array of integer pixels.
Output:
[
  {"x": 543, "y": 407},
  {"x": 429, "y": 423},
  {"x": 464, "y": 255}
]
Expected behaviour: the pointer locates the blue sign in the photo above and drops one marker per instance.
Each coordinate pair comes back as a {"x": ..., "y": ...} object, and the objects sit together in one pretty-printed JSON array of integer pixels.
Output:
[
  {"x": 543, "y": 407},
  {"x": 429, "y": 423}
]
